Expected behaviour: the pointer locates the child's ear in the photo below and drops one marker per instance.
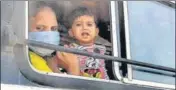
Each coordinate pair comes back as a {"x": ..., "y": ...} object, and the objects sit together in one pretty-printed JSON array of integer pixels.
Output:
[
  {"x": 70, "y": 32},
  {"x": 97, "y": 31}
]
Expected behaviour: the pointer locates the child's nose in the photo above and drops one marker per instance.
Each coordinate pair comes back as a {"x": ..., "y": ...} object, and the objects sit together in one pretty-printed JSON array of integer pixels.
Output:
[{"x": 84, "y": 26}]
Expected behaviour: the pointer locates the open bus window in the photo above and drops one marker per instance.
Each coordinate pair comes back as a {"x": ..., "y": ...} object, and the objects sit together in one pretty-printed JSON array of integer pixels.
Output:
[
  {"x": 151, "y": 39},
  {"x": 21, "y": 49},
  {"x": 43, "y": 21}
]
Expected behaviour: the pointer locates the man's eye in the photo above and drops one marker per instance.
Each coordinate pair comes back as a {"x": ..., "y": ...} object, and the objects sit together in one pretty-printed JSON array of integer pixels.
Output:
[
  {"x": 40, "y": 28},
  {"x": 54, "y": 28}
]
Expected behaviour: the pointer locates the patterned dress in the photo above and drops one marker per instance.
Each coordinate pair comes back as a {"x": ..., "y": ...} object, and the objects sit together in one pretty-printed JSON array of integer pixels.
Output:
[{"x": 89, "y": 66}]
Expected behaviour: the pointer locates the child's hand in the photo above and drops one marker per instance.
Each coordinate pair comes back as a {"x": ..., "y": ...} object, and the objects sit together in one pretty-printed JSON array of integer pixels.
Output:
[{"x": 69, "y": 61}]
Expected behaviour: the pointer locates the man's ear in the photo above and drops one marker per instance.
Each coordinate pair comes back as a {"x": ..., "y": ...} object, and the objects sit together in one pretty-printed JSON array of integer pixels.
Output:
[
  {"x": 97, "y": 31},
  {"x": 70, "y": 32}
]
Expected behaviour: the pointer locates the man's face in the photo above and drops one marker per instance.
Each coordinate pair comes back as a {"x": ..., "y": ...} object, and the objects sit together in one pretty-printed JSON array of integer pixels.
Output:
[
  {"x": 45, "y": 20},
  {"x": 84, "y": 29}
]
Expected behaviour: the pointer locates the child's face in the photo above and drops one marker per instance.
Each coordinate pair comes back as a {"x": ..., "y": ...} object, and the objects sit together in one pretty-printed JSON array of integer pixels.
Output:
[{"x": 84, "y": 30}]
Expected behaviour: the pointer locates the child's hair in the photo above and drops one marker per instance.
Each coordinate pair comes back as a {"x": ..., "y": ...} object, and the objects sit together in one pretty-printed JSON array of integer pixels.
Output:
[{"x": 80, "y": 11}]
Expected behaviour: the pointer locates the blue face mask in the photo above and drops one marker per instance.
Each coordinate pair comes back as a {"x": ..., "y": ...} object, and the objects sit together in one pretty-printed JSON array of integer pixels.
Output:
[{"x": 51, "y": 37}]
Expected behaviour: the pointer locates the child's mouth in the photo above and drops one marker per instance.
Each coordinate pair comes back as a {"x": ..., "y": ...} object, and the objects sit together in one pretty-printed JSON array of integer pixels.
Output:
[{"x": 85, "y": 34}]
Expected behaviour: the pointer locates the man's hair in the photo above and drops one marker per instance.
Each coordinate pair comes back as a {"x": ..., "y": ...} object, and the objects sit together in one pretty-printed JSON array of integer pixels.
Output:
[
  {"x": 80, "y": 11},
  {"x": 36, "y": 6}
]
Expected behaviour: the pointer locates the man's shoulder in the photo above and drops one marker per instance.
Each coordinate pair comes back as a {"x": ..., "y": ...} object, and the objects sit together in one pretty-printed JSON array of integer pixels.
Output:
[{"x": 34, "y": 55}]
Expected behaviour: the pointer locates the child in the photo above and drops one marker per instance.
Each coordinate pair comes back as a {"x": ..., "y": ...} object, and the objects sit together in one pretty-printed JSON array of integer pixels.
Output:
[{"x": 82, "y": 27}]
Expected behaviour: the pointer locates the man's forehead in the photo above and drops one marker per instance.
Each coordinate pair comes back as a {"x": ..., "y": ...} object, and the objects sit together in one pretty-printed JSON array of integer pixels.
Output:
[{"x": 45, "y": 15}]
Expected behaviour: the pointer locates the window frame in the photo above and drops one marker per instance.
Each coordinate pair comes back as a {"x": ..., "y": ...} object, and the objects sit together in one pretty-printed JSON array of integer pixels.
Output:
[
  {"x": 129, "y": 78},
  {"x": 114, "y": 39},
  {"x": 52, "y": 79},
  {"x": 26, "y": 68}
]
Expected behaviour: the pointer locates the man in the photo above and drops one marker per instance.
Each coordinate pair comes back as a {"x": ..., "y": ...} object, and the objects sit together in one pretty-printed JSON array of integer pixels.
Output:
[{"x": 44, "y": 28}]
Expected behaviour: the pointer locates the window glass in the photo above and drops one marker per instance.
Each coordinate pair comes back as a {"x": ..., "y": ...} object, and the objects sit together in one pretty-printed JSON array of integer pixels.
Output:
[{"x": 152, "y": 37}]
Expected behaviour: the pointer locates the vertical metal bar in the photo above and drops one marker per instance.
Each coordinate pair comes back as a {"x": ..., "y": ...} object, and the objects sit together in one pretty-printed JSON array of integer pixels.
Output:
[
  {"x": 114, "y": 38},
  {"x": 26, "y": 20},
  {"x": 125, "y": 6}
]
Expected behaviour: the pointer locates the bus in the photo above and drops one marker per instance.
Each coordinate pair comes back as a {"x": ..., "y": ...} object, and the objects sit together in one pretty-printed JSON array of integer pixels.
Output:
[{"x": 139, "y": 37}]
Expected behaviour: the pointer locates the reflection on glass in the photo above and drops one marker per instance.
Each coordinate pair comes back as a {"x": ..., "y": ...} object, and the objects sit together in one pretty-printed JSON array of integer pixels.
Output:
[{"x": 152, "y": 37}]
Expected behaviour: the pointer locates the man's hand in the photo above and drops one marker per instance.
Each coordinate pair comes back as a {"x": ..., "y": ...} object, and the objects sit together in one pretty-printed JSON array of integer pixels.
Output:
[
  {"x": 68, "y": 61},
  {"x": 53, "y": 64}
]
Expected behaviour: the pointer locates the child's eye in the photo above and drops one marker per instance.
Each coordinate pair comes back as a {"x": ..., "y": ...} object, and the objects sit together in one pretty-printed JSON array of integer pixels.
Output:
[
  {"x": 89, "y": 24},
  {"x": 78, "y": 24}
]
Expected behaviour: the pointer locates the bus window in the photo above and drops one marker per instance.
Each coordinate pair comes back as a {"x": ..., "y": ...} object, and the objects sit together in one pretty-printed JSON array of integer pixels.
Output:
[
  {"x": 62, "y": 10},
  {"x": 151, "y": 31},
  {"x": 22, "y": 53}
]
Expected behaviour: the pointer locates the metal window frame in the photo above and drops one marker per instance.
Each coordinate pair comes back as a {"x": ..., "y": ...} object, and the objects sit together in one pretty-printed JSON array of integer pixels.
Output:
[
  {"x": 172, "y": 2},
  {"x": 127, "y": 40},
  {"x": 168, "y": 3},
  {"x": 114, "y": 35},
  {"x": 22, "y": 59},
  {"x": 129, "y": 78},
  {"x": 52, "y": 79}
]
